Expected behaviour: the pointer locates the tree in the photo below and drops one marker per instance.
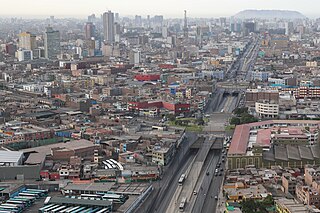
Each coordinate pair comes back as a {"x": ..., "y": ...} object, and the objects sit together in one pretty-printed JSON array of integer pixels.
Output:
[{"x": 235, "y": 121}]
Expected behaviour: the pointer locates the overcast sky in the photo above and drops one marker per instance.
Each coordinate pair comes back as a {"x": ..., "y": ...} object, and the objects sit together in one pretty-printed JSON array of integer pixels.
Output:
[{"x": 169, "y": 8}]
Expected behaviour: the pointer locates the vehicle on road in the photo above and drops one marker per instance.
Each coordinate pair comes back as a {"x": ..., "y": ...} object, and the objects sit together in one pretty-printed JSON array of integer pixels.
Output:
[
  {"x": 181, "y": 179},
  {"x": 216, "y": 197},
  {"x": 182, "y": 204}
]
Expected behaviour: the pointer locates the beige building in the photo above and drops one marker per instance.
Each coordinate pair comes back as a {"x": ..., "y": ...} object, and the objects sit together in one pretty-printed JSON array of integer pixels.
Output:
[
  {"x": 27, "y": 41},
  {"x": 267, "y": 109}
]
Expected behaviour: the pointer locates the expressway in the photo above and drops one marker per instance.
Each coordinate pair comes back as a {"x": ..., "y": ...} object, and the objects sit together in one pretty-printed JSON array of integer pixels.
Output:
[{"x": 163, "y": 187}]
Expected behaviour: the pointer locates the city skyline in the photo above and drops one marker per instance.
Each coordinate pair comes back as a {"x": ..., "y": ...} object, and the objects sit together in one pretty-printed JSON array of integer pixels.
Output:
[{"x": 203, "y": 8}]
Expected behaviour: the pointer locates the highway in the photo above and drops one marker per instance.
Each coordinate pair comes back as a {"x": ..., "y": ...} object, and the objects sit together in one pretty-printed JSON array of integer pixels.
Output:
[
  {"x": 163, "y": 188},
  {"x": 200, "y": 169}
]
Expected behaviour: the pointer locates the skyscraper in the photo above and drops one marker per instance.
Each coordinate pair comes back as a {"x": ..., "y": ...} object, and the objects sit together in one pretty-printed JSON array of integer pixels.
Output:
[
  {"x": 27, "y": 41},
  {"x": 51, "y": 43},
  {"x": 108, "y": 26},
  {"x": 89, "y": 30}
]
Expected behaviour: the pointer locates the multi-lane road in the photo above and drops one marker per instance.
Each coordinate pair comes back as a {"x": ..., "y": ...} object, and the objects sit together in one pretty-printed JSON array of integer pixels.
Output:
[{"x": 204, "y": 184}]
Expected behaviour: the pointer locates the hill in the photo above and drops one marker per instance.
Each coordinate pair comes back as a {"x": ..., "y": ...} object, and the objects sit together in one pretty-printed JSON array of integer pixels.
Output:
[{"x": 269, "y": 14}]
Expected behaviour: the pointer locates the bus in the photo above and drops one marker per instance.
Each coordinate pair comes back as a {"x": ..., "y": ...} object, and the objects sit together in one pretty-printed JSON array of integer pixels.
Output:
[
  {"x": 105, "y": 210},
  {"x": 10, "y": 208},
  {"x": 40, "y": 191},
  {"x": 94, "y": 196},
  {"x": 112, "y": 164},
  {"x": 58, "y": 209},
  {"x": 181, "y": 179},
  {"x": 29, "y": 195},
  {"x": 31, "y": 199},
  {"x": 115, "y": 198},
  {"x": 182, "y": 204},
  {"x": 41, "y": 210},
  {"x": 24, "y": 204},
  {"x": 65, "y": 210},
  {"x": 120, "y": 167},
  {"x": 73, "y": 209},
  {"x": 19, "y": 206},
  {"x": 39, "y": 194},
  {"x": 50, "y": 209},
  {"x": 79, "y": 209}
]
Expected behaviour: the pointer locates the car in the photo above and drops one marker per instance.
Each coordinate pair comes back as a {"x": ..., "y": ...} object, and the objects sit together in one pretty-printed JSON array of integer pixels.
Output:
[
  {"x": 195, "y": 193},
  {"x": 207, "y": 173},
  {"x": 220, "y": 174},
  {"x": 222, "y": 160},
  {"x": 221, "y": 169},
  {"x": 216, "y": 171},
  {"x": 216, "y": 197},
  {"x": 216, "y": 174}
]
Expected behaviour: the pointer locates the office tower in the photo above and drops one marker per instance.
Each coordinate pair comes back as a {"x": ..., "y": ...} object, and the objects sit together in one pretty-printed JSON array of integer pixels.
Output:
[
  {"x": 164, "y": 32},
  {"x": 138, "y": 21},
  {"x": 185, "y": 26},
  {"x": 27, "y": 41},
  {"x": 24, "y": 55},
  {"x": 51, "y": 43},
  {"x": 92, "y": 18},
  {"x": 116, "y": 17},
  {"x": 289, "y": 28},
  {"x": 108, "y": 26},
  {"x": 89, "y": 30}
]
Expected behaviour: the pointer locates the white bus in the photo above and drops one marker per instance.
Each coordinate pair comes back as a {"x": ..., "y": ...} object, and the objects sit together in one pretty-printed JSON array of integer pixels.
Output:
[
  {"x": 58, "y": 209},
  {"x": 105, "y": 210},
  {"x": 181, "y": 179},
  {"x": 95, "y": 196},
  {"x": 182, "y": 204},
  {"x": 65, "y": 210},
  {"x": 73, "y": 209}
]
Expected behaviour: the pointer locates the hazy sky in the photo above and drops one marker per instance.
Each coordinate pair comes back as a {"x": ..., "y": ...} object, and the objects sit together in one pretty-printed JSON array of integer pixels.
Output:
[{"x": 169, "y": 8}]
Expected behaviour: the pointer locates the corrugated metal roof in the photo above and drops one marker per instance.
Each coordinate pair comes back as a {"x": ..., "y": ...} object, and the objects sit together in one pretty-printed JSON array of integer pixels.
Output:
[{"x": 10, "y": 156}]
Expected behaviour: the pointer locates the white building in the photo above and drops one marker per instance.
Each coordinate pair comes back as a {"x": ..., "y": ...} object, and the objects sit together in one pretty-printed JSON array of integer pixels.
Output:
[
  {"x": 10, "y": 158},
  {"x": 266, "y": 109},
  {"x": 24, "y": 55}
]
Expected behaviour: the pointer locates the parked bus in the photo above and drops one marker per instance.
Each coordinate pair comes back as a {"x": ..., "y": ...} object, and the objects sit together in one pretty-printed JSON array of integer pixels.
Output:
[
  {"x": 19, "y": 206},
  {"x": 58, "y": 209},
  {"x": 10, "y": 208},
  {"x": 48, "y": 209},
  {"x": 105, "y": 210},
  {"x": 31, "y": 199},
  {"x": 40, "y": 191},
  {"x": 65, "y": 210},
  {"x": 181, "y": 179},
  {"x": 79, "y": 210},
  {"x": 73, "y": 209},
  {"x": 23, "y": 203},
  {"x": 182, "y": 204},
  {"x": 120, "y": 167},
  {"x": 95, "y": 210},
  {"x": 41, "y": 210},
  {"x": 29, "y": 195},
  {"x": 115, "y": 198},
  {"x": 94, "y": 196},
  {"x": 34, "y": 193}
]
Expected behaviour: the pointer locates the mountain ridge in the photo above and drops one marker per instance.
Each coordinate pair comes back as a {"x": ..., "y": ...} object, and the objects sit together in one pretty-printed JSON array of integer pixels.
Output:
[{"x": 269, "y": 14}]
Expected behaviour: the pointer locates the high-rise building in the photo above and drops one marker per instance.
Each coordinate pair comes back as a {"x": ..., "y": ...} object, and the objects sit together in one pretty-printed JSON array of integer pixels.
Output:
[
  {"x": 138, "y": 21},
  {"x": 108, "y": 26},
  {"x": 24, "y": 55},
  {"x": 51, "y": 43},
  {"x": 27, "y": 41},
  {"x": 89, "y": 30}
]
